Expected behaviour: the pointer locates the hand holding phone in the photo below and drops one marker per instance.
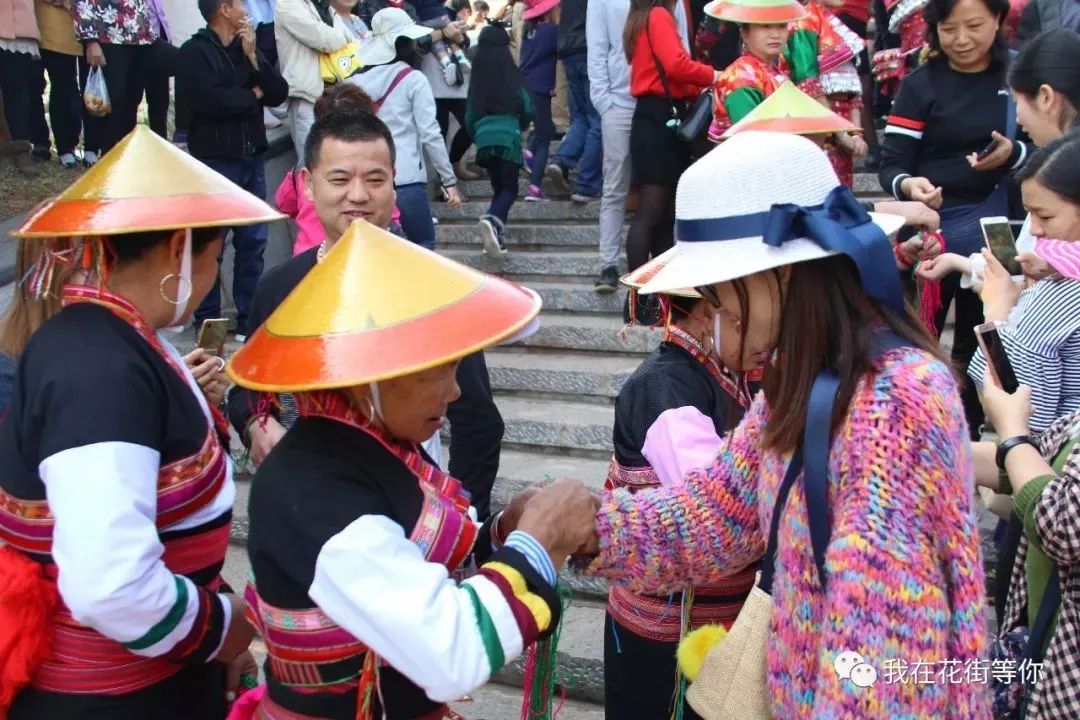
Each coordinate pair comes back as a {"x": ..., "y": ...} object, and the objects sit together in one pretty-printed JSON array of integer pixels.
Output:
[
  {"x": 985, "y": 153},
  {"x": 998, "y": 236},
  {"x": 989, "y": 337},
  {"x": 212, "y": 335}
]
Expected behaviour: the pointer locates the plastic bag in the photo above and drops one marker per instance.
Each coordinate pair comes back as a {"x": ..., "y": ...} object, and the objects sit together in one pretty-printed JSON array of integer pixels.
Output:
[{"x": 96, "y": 94}]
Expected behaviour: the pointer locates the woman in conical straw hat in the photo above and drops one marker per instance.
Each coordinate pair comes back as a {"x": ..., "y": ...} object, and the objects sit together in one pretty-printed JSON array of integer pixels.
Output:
[
  {"x": 355, "y": 534},
  {"x": 117, "y": 486},
  {"x": 799, "y": 273},
  {"x": 670, "y": 416},
  {"x": 758, "y": 72}
]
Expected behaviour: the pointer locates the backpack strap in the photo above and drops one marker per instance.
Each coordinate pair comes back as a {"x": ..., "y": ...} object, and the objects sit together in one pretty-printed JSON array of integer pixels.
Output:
[
  {"x": 812, "y": 460},
  {"x": 1051, "y": 601},
  {"x": 396, "y": 81}
]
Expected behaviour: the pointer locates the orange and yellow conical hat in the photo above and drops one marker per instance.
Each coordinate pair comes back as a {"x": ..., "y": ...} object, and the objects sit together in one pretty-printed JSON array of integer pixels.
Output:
[
  {"x": 145, "y": 184},
  {"x": 756, "y": 12},
  {"x": 790, "y": 110},
  {"x": 636, "y": 278},
  {"x": 378, "y": 307}
]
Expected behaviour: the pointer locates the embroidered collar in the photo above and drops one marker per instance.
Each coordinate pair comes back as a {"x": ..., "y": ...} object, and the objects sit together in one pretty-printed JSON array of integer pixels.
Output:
[
  {"x": 122, "y": 308},
  {"x": 333, "y": 405},
  {"x": 737, "y": 389}
]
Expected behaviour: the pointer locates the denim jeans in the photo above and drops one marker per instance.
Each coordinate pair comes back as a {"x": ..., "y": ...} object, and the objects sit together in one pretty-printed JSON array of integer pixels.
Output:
[
  {"x": 581, "y": 145},
  {"x": 543, "y": 133},
  {"x": 412, "y": 202},
  {"x": 249, "y": 242}
]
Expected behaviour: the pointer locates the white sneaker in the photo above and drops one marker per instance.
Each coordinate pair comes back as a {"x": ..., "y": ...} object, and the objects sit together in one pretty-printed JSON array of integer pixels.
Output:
[{"x": 489, "y": 235}]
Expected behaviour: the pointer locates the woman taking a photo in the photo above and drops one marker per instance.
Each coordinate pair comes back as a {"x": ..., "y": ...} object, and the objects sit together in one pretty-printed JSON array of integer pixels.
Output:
[
  {"x": 1038, "y": 462},
  {"x": 664, "y": 79},
  {"x": 896, "y": 486},
  {"x": 937, "y": 147},
  {"x": 403, "y": 96},
  {"x": 117, "y": 484}
]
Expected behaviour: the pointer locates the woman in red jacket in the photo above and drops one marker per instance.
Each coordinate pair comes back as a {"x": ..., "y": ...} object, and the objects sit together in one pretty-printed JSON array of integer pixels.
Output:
[{"x": 664, "y": 79}]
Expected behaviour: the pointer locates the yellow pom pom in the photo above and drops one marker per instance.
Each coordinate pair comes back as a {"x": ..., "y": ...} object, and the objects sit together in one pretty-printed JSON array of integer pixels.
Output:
[{"x": 695, "y": 646}]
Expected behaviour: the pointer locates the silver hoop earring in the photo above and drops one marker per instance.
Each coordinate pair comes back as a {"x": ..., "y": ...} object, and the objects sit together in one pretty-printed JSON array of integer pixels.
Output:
[{"x": 181, "y": 282}]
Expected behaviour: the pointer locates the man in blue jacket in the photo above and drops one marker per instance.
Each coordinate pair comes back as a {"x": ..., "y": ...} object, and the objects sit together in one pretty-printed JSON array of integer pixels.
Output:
[{"x": 226, "y": 83}]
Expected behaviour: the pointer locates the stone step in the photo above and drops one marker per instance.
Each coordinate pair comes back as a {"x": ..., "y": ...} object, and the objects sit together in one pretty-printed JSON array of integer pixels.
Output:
[
  {"x": 865, "y": 183},
  {"x": 571, "y": 263},
  {"x": 551, "y": 211},
  {"x": 558, "y": 237},
  {"x": 580, "y": 653},
  {"x": 543, "y": 422},
  {"x": 597, "y": 333},
  {"x": 496, "y": 701},
  {"x": 524, "y": 468},
  {"x": 563, "y": 373},
  {"x": 578, "y": 297}
]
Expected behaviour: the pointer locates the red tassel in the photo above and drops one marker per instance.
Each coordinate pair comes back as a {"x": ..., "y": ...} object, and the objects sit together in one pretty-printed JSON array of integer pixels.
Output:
[
  {"x": 929, "y": 304},
  {"x": 27, "y": 603}
]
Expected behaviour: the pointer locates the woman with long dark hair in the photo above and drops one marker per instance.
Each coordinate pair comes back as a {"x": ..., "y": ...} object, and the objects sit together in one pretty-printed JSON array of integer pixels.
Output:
[
  {"x": 1041, "y": 459},
  {"x": 664, "y": 79},
  {"x": 881, "y": 560},
  {"x": 496, "y": 113},
  {"x": 937, "y": 149}
]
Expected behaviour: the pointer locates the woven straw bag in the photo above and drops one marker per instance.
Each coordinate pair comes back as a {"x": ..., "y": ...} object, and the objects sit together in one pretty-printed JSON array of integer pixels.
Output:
[{"x": 731, "y": 683}]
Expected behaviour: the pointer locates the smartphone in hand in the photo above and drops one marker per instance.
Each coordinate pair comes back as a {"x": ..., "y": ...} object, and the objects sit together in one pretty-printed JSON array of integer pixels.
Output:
[
  {"x": 989, "y": 337},
  {"x": 985, "y": 153},
  {"x": 212, "y": 335},
  {"x": 998, "y": 236}
]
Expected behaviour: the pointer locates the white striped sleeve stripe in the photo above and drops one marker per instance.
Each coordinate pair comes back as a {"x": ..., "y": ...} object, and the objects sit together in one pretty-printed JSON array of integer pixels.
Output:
[
  {"x": 897, "y": 130},
  {"x": 896, "y": 185},
  {"x": 535, "y": 553}
]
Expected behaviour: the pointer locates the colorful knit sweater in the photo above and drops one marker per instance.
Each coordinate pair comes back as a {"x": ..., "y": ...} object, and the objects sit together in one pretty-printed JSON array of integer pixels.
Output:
[{"x": 905, "y": 578}]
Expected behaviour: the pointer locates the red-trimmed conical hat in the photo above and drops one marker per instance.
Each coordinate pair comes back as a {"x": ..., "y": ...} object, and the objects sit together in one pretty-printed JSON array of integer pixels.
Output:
[
  {"x": 790, "y": 110},
  {"x": 379, "y": 307},
  {"x": 145, "y": 184},
  {"x": 756, "y": 12}
]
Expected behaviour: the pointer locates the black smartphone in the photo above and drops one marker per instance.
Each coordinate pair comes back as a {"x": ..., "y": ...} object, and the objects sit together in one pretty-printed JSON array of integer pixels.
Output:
[
  {"x": 989, "y": 337},
  {"x": 987, "y": 150}
]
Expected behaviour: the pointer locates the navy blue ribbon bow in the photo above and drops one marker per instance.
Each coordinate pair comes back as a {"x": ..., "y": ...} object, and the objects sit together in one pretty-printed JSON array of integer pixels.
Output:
[{"x": 839, "y": 225}]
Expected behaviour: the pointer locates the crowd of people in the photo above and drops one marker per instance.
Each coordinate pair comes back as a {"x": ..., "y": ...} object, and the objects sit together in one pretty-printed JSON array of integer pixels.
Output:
[{"x": 789, "y": 524}]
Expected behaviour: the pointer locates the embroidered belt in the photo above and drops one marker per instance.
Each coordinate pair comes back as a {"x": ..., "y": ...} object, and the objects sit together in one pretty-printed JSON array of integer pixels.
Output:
[
  {"x": 301, "y": 644},
  {"x": 270, "y": 710},
  {"x": 660, "y": 619},
  {"x": 632, "y": 478},
  {"x": 85, "y": 662}
]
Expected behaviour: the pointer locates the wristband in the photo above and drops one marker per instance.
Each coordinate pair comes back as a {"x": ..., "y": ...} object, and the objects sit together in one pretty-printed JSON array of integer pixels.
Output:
[{"x": 1005, "y": 447}]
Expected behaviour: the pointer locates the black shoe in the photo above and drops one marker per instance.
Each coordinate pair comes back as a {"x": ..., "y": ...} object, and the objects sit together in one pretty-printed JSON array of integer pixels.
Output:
[
  {"x": 608, "y": 281},
  {"x": 41, "y": 153},
  {"x": 559, "y": 175}
]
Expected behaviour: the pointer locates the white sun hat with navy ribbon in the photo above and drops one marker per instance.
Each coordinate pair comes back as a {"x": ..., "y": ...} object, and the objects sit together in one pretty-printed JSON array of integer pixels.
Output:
[{"x": 763, "y": 200}]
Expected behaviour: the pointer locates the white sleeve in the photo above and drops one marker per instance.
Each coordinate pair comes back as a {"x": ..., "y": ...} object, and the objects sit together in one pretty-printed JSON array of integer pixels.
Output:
[
  {"x": 446, "y": 638},
  {"x": 427, "y": 127},
  {"x": 103, "y": 498},
  {"x": 596, "y": 38},
  {"x": 300, "y": 22}
]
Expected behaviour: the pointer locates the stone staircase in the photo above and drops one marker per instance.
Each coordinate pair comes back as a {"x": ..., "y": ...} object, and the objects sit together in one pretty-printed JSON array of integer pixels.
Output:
[{"x": 556, "y": 390}]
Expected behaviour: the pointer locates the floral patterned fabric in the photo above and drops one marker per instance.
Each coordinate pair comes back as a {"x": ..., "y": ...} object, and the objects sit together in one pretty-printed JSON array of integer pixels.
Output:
[
  {"x": 116, "y": 22},
  {"x": 740, "y": 88},
  {"x": 814, "y": 48}
]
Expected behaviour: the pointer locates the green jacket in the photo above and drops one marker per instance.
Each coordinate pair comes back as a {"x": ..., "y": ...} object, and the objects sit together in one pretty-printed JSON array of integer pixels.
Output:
[{"x": 499, "y": 135}]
